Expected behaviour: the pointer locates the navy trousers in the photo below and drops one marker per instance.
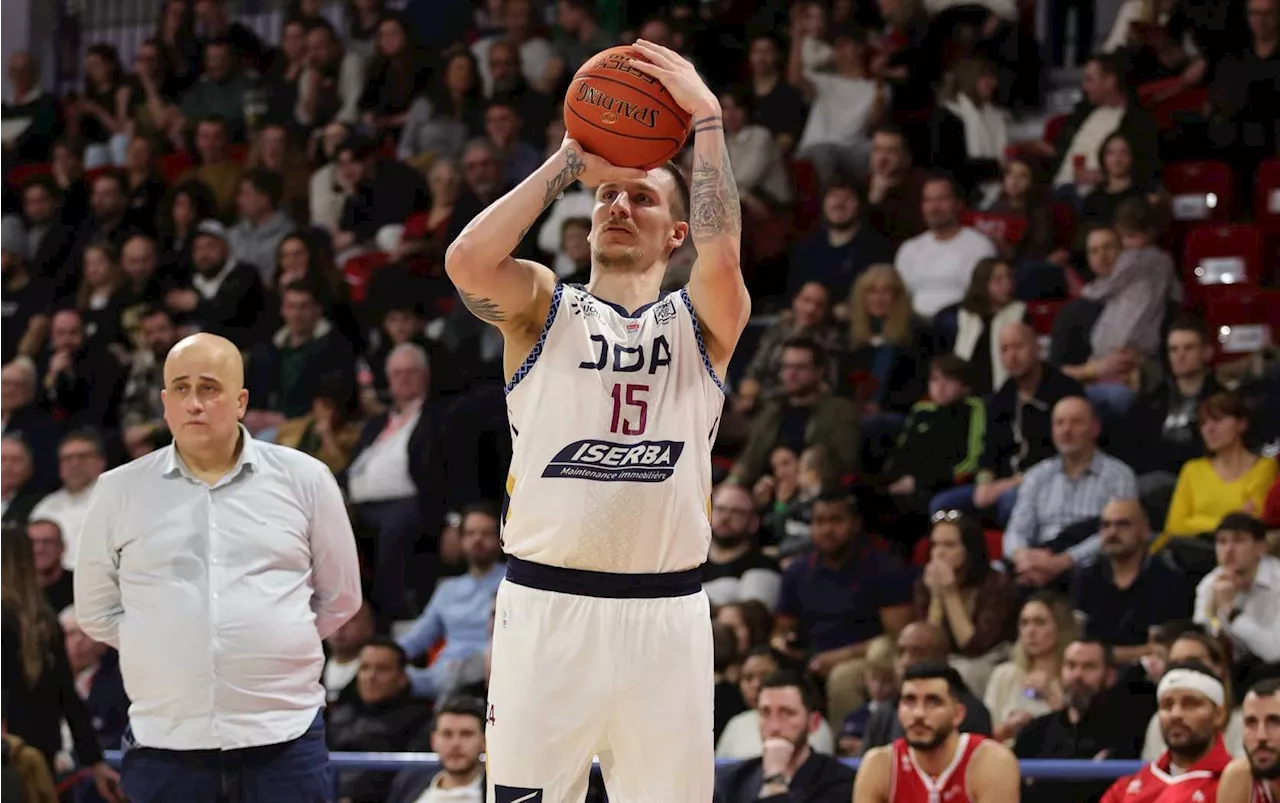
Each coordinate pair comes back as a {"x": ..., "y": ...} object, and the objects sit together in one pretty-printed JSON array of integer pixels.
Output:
[{"x": 289, "y": 772}]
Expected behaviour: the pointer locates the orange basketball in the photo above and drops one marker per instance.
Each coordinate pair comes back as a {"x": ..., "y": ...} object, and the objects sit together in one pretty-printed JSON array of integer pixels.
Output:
[{"x": 622, "y": 115}]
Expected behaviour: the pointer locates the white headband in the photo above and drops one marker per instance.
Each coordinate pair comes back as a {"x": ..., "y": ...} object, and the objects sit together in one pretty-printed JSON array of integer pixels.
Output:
[{"x": 1191, "y": 680}]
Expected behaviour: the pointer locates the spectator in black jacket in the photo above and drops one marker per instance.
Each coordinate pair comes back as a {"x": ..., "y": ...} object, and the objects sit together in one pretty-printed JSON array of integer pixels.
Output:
[
  {"x": 788, "y": 770},
  {"x": 81, "y": 382},
  {"x": 96, "y": 669},
  {"x": 29, "y": 102},
  {"x": 225, "y": 297},
  {"x": 49, "y": 239},
  {"x": 17, "y": 498},
  {"x": 26, "y": 297},
  {"x": 845, "y": 246},
  {"x": 383, "y": 717},
  {"x": 1019, "y": 426},
  {"x": 385, "y": 192}
]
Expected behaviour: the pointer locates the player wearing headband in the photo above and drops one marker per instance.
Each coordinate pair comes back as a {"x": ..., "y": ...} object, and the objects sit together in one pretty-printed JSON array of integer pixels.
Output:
[
  {"x": 1255, "y": 778},
  {"x": 1193, "y": 712}
]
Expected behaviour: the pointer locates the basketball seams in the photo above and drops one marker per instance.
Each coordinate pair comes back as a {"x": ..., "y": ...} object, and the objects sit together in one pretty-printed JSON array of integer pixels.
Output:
[
  {"x": 615, "y": 131},
  {"x": 675, "y": 112}
]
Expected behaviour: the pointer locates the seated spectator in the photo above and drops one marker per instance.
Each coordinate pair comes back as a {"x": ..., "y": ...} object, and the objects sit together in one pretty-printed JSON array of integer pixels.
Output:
[
  {"x": 459, "y": 612},
  {"x": 27, "y": 422},
  {"x": 278, "y": 84},
  {"x": 389, "y": 470},
  {"x": 1240, "y": 599},
  {"x": 331, "y": 83},
  {"x": 727, "y": 701},
  {"x": 482, "y": 184},
  {"x": 1125, "y": 593},
  {"x": 221, "y": 92},
  {"x": 972, "y": 99},
  {"x": 1119, "y": 184},
  {"x": 330, "y": 430},
  {"x": 1022, "y": 196},
  {"x": 27, "y": 297},
  {"x": 775, "y": 104},
  {"x": 141, "y": 406},
  {"x": 143, "y": 284},
  {"x": 503, "y": 125},
  {"x": 81, "y": 460},
  {"x": 941, "y": 443},
  {"x": 960, "y": 593},
  {"x": 842, "y": 249},
  {"x": 750, "y": 621},
  {"x": 328, "y": 189},
  {"x": 261, "y": 223},
  {"x": 895, "y": 187},
  {"x": 1194, "y": 645},
  {"x": 274, "y": 151},
  {"x": 1054, "y": 523},
  {"x": 48, "y": 551},
  {"x": 1106, "y": 108},
  {"x": 183, "y": 208},
  {"x": 838, "y": 598},
  {"x": 144, "y": 186},
  {"x": 809, "y": 316},
  {"x": 225, "y": 296},
  {"x": 305, "y": 256},
  {"x": 905, "y": 58},
  {"x": 29, "y": 104},
  {"x": 343, "y": 663},
  {"x": 1243, "y": 94},
  {"x": 736, "y": 569},
  {"x": 396, "y": 74},
  {"x": 402, "y": 322},
  {"x": 1160, "y": 39},
  {"x": 457, "y": 737},
  {"x": 580, "y": 35},
  {"x": 441, "y": 119},
  {"x": 789, "y": 714},
  {"x": 881, "y": 679},
  {"x": 67, "y": 170},
  {"x": 1019, "y": 430},
  {"x": 937, "y": 266},
  {"x": 95, "y": 667},
  {"x": 1027, "y": 685},
  {"x": 216, "y": 169},
  {"x": 216, "y": 24},
  {"x": 740, "y": 740},
  {"x": 758, "y": 166},
  {"x": 17, "y": 497},
  {"x": 919, "y": 642},
  {"x": 154, "y": 89},
  {"x": 49, "y": 237},
  {"x": 889, "y": 347},
  {"x": 108, "y": 221},
  {"x": 383, "y": 193},
  {"x": 1161, "y": 432},
  {"x": 1230, "y": 478},
  {"x": 96, "y": 115},
  {"x": 846, "y": 105},
  {"x": 82, "y": 380},
  {"x": 100, "y": 298},
  {"x": 509, "y": 85},
  {"x": 987, "y": 307},
  {"x": 788, "y": 494},
  {"x": 383, "y": 716},
  {"x": 805, "y": 413},
  {"x": 176, "y": 39}
]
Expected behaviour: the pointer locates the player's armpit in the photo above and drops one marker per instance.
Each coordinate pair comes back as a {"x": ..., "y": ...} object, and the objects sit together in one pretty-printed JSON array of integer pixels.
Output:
[
  {"x": 872, "y": 782},
  {"x": 994, "y": 776},
  {"x": 1236, "y": 784}
]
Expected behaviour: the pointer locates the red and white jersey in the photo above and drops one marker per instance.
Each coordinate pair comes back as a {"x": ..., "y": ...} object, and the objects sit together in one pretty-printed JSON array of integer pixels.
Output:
[
  {"x": 1261, "y": 793},
  {"x": 910, "y": 784},
  {"x": 612, "y": 420},
  {"x": 1154, "y": 784}
]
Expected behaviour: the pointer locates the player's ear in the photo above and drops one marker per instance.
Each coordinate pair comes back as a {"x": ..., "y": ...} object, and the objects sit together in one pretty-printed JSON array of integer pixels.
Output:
[
  {"x": 960, "y": 713},
  {"x": 679, "y": 232}
]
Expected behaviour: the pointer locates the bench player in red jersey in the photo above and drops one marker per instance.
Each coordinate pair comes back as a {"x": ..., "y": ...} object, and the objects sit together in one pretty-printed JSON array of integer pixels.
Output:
[
  {"x": 1255, "y": 778},
  {"x": 1193, "y": 711},
  {"x": 935, "y": 763}
]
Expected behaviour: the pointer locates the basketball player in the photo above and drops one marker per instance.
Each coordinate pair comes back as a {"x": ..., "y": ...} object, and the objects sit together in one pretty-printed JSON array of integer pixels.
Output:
[
  {"x": 1193, "y": 712},
  {"x": 602, "y": 635},
  {"x": 1255, "y": 778},
  {"x": 935, "y": 762}
]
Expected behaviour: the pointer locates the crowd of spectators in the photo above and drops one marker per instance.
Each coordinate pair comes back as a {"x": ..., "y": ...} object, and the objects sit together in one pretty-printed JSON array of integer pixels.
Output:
[{"x": 988, "y": 415}]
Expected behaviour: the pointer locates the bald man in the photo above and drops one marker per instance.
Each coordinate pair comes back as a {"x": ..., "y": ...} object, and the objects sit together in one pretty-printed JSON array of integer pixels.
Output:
[
  {"x": 1054, "y": 522},
  {"x": 1124, "y": 594},
  {"x": 216, "y": 566}
]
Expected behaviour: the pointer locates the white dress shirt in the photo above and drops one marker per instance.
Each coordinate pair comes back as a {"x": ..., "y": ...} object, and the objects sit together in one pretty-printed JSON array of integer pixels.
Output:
[
  {"x": 1254, "y": 629},
  {"x": 218, "y": 597},
  {"x": 67, "y": 509},
  {"x": 471, "y": 793}
]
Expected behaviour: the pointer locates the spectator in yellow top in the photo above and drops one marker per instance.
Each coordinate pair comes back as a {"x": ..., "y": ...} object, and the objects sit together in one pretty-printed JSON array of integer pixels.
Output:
[{"x": 1229, "y": 479}]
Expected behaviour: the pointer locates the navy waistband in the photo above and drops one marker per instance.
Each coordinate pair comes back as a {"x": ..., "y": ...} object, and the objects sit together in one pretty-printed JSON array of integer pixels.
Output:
[{"x": 584, "y": 583}]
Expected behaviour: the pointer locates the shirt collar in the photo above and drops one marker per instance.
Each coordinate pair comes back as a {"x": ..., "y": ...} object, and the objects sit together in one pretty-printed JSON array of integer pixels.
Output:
[
  {"x": 173, "y": 466},
  {"x": 1268, "y": 575}
]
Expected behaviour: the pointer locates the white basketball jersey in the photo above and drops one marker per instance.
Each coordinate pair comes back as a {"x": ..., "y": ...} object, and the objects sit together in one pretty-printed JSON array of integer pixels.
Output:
[{"x": 612, "y": 420}]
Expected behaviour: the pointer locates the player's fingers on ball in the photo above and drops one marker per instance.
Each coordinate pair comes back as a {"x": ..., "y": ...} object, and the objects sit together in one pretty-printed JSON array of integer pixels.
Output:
[{"x": 651, "y": 69}]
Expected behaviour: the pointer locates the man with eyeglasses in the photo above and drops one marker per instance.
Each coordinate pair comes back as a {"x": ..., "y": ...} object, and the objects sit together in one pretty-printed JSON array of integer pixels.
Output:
[
  {"x": 81, "y": 460},
  {"x": 1125, "y": 592},
  {"x": 736, "y": 569}
]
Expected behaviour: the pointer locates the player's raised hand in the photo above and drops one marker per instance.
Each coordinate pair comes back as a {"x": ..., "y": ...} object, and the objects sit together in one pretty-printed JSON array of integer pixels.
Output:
[
  {"x": 679, "y": 77},
  {"x": 593, "y": 170}
]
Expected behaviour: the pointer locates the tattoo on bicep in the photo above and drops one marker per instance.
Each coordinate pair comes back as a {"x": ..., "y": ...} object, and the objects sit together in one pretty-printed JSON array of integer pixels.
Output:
[
  {"x": 483, "y": 308},
  {"x": 715, "y": 207},
  {"x": 573, "y": 167}
]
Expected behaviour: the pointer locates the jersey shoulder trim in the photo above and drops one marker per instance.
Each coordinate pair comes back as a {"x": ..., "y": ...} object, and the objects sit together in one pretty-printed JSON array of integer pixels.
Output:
[
  {"x": 702, "y": 343},
  {"x": 536, "y": 352}
]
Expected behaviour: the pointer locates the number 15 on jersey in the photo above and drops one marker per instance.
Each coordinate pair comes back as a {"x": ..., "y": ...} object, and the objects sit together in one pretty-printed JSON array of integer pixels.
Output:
[{"x": 630, "y": 408}]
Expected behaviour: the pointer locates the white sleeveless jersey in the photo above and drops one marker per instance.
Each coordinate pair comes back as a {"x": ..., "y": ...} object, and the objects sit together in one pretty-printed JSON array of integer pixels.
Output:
[{"x": 612, "y": 421}]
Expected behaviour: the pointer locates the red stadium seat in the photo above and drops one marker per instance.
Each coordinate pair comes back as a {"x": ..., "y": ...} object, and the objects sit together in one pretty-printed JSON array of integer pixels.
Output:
[
  {"x": 1221, "y": 255},
  {"x": 1241, "y": 320},
  {"x": 415, "y": 227},
  {"x": 808, "y": 207},
  {"x": 23, "y": 173},
  {"x": 1007, "y": 228},
  {"x": 1042, "y": 313},
  {"x": 1053, "y": 127},
  {"x": 1062, "y": 217},
  {"x": 1266, "y": 195},
  {"x": 359, "y": 269},
  {"x": 91, "y": 175},
  {"x": 173, "y": 165},
  {"x": 1201, "y": 191}
]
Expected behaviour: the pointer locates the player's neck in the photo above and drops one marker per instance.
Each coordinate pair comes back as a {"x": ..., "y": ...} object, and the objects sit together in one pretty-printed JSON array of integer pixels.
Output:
[
  {"x": 630, "y": 290},
  {"x": 935, "y": 762},
  {"x": 459, "y": 780},
  {"x": 1187, "y": 762}
]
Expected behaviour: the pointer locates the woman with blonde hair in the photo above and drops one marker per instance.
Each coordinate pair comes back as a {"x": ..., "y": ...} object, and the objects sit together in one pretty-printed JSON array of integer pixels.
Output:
[{"x": 1027, "y": 685}]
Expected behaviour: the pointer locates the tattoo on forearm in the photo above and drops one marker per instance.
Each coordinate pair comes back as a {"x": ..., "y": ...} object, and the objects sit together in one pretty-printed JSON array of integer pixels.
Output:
[
  {"x": 483, "y": 308},
  {"x": 716, "y": 208},
  {"x": 573, "y": 167},
  {"x": 708, "y": 124}
]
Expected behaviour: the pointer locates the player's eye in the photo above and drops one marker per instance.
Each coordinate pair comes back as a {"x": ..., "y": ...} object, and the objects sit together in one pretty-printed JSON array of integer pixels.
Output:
[{"x": 642, "y": 198}]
